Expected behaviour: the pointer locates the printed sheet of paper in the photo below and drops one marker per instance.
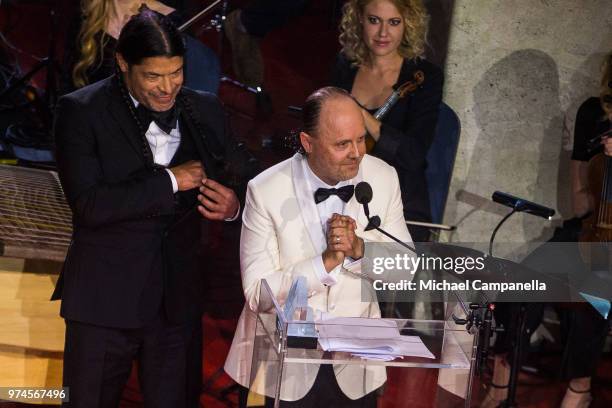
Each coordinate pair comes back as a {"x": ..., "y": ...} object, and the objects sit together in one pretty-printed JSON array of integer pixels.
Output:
[{"x": 377, "y": 339}]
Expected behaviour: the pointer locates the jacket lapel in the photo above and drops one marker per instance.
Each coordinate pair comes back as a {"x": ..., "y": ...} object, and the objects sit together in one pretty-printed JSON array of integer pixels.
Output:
[
  {"x": 123, "y": 119},
  {"x": 189, "y": 129},
  {"x": 353, "y": 209},
  {"x": 201, "y": 132},
  {"x": 310, "y": 215}
]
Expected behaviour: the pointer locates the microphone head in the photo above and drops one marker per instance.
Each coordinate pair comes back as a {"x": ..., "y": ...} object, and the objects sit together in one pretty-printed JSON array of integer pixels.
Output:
[
  {"x": 373, "y": 223},
  {"x": 363, "y": 192},
  {"x": 522, "y": 205}
]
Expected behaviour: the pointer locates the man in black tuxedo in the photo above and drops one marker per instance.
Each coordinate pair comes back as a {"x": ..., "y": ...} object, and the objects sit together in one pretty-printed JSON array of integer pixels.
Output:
[{"x": 136, "y": 152}]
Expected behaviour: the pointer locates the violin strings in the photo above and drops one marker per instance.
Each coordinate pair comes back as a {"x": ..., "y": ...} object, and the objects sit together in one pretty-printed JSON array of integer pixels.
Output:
[
  {"x": 604, "y": 194},
  {"x": 606, "y": 190},
  {"x": 600, "y": 212},
  {"x": 601, "y": 200},
  {"x": 605, "y": 198}
]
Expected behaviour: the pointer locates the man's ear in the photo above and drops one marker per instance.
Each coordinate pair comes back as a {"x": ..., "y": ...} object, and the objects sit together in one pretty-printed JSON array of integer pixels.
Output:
[
  {"x": 306, "y": 141},
  {"x": 123, "y": 65}
]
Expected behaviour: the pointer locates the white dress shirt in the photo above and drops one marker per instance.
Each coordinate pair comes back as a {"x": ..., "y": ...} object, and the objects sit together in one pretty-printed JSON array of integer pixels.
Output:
[
  {"x": 163, "y": 145},
  {"x": 326, "y": 209}
]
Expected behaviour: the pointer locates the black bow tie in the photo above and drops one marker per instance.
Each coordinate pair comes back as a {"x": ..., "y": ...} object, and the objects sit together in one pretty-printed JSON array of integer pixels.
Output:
[
  {"x": 166, "y": 120},
  {"x": 345, "y": 193}
]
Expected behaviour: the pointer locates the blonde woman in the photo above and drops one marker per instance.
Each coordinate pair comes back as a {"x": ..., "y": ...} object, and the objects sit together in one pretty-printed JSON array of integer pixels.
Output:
[
  {"x": 383, "y": 43},
  {"x": 91, "y": 51}
]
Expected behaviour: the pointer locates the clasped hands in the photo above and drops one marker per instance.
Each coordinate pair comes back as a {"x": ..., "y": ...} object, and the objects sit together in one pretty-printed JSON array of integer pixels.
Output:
[
  {"x": 217, "y": 201},
  {"x": 341, "y": 241}
]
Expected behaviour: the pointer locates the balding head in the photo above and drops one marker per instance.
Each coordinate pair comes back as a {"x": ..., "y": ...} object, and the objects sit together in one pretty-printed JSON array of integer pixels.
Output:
[
  {"x": 334, "y": 135},
  {"x": 313, "y": 106}
]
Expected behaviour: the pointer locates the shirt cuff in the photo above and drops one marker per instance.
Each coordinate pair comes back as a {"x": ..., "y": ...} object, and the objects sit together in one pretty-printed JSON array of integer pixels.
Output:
[
  {"x": 235, "y": 216},
  {"x": 352, "y": 265},
  {"x": 174, "y": 182},
  {"x": 324, "y": 277}
]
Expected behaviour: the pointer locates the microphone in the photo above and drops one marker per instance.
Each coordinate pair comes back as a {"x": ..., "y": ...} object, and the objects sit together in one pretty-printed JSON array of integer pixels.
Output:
[
  {"x": 522, "y": 205},
  {"x": 363, "y": 195}
]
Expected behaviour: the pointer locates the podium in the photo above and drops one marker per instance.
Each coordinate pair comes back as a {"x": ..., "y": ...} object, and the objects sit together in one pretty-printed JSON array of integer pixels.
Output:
[{"x": 279, "y": 370}]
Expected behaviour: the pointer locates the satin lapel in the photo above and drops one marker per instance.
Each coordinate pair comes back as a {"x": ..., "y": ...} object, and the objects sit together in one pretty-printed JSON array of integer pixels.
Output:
[
  {"x": 353, "y": 209},
  {"x": 188, "y": 129},
  {"x": 310, "y": 215},
  {"x": 124, "y": 120},
  {"x": 205, "y": 140}
]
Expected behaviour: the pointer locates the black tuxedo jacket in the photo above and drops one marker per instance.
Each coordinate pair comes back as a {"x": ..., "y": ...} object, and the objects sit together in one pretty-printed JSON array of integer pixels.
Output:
[{"x": 131, "y": 254}]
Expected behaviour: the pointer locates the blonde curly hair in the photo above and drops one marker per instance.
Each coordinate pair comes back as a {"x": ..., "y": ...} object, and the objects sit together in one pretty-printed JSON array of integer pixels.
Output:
[
  {"x": 605, "y": 91},
  {"x": 416, "y": 21},
  {"x": 95, "y": 18}
]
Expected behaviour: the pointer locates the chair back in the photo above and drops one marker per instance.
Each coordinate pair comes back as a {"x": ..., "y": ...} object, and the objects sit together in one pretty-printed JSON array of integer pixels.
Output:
[
  {"x": 202, "y": 68},
  {"x": 441, "y": 160}
]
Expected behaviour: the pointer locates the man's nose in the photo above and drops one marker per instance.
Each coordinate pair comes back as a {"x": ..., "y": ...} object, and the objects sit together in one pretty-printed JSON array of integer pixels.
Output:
[
  {"x": 354, "y": 152},
  {"x": 165, "y": 85}
]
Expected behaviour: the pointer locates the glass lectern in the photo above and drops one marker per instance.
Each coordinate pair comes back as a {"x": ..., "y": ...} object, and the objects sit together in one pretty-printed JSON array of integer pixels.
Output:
[{"x": 281, "y": 365}]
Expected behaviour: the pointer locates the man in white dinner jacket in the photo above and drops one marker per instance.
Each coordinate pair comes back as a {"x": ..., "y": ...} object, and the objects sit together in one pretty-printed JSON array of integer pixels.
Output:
[{"x": 301, "y": 219}]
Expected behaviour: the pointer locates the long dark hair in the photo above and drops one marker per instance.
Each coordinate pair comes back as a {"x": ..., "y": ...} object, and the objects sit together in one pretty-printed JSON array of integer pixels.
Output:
[{"x": 149, "y": 34}]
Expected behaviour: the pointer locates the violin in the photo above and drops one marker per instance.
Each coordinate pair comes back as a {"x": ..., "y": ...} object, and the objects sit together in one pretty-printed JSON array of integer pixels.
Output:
[
  {"x": 598, "y": 226},
  {"x": 399, "y": 92}
]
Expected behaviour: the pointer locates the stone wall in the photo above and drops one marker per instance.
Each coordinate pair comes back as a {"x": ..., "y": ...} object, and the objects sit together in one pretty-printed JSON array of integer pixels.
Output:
[{"x": 516, "y": 72}]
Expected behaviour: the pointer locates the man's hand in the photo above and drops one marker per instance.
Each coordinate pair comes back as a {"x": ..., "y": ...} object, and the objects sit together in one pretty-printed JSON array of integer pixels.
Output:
[
  {"x": 372, "y": 124},
  {"x": 607, "y": 143},
  {"x": 342, "y": 241},
  {"x": 188, "y": 175},
  {"x": 218, "y": 202},
  {"x": 332, "y": 258}
]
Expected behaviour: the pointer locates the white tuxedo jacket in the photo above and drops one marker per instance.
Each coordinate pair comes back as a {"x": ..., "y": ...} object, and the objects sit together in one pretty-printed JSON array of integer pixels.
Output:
[{"x": 281, "y": 234}]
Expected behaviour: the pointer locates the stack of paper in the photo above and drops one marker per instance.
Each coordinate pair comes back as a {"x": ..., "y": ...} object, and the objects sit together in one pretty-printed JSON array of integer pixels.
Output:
[{"x": 373, "y": 339}]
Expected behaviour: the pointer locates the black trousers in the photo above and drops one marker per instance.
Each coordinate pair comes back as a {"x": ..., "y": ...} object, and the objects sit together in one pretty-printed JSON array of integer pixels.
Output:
[
  {"x": 262, "y": 16},
  {"x": 98, "y": 361},
  {"x": 325, "y": 392}
]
